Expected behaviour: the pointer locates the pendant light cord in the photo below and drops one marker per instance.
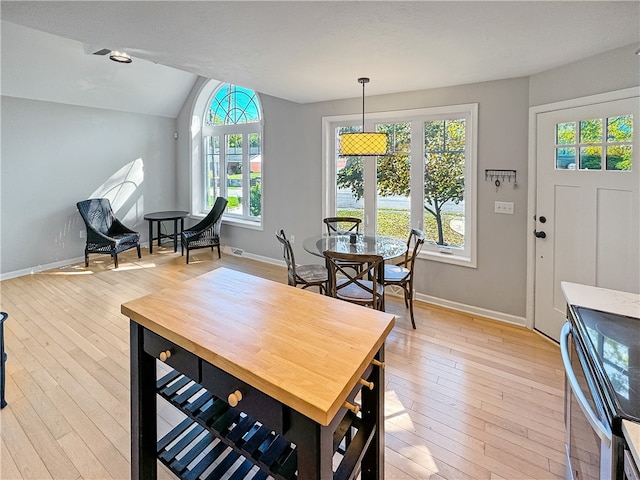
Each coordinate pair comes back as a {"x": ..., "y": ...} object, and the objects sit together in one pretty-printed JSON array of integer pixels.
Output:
[
  {"x": 363, "y": 105},
  {"x": 363, "y": 80}
]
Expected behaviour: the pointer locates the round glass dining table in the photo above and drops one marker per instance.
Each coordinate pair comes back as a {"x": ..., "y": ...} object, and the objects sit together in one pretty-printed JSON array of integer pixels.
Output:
[{"x": 386, "y": 247}]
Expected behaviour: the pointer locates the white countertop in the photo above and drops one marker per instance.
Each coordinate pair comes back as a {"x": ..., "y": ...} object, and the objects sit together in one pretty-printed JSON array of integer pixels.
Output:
[
  {"x": 613, "y": 301},
  {"x": 621, "y": 303}
]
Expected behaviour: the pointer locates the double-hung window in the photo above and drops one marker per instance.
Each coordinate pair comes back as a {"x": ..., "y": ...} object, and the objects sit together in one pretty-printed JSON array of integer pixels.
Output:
[
  {"x": 232, "y": 153},
  {"x": 426, "y": 181}
]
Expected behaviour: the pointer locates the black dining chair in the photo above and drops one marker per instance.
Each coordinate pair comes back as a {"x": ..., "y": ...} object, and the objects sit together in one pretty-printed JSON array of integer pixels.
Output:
[
  {"x": 306, "y": 275},
  {"x": 401, "y": 275},
  {"x": 206, "y": 233},
  {"x": 342, "y": 225},
  {"x": 105, "y": 233},
  {"x": 362, "y": 287}
]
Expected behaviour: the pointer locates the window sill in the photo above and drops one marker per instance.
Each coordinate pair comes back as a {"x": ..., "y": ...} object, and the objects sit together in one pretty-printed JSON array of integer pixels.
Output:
[
  {"x": 239, "y": 222},
  {"x": 450, "y": 258}
]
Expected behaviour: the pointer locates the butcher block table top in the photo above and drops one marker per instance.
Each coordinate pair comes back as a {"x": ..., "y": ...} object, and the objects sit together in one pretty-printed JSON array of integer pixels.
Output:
[{"x": 303, "y": 349}]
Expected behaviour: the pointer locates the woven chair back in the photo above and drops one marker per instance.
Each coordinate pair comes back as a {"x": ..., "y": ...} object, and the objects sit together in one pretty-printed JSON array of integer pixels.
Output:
[{"x": 97, "y": 213}]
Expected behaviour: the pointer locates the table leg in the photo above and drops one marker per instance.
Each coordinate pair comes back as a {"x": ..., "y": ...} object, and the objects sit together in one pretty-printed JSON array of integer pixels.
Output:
[
  {"x": 143, "y": 409},
  {"x": 150, "y": 236},
  {"x": 175, "y": 235},
  {"x": 181, "y": 230},
  {"x": 315, "y": 447},
  {"x": 373, "y": 405}
]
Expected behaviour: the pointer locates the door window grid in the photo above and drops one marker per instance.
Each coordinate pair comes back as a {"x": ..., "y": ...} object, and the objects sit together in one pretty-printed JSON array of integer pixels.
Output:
[{"x": 582, "y": 144}]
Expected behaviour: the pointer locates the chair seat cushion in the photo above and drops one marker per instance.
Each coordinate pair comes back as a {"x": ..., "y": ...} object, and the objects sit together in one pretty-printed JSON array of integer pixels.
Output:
[
  {"x": 354, "y": 292},
  {"x": 395, "y": 273},
  {"x": 312, "y": 273},
  {"x": 126, "y": 237}
]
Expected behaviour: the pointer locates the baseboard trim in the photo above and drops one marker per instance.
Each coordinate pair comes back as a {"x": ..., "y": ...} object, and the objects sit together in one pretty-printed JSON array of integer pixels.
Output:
[
  {"x": 40, "y": 268},
  {"x": 239, "y": 252},
  {"x": 470, "y": 309}
]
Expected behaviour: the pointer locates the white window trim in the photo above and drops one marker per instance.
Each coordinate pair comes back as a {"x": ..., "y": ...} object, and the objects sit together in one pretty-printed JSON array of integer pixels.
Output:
[
  {"x": 196, "y": 147},
  {"x": 470, "y": 111}
]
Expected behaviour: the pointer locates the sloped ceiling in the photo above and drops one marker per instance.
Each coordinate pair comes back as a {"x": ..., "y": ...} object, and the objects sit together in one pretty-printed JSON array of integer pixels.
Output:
[
  {"x": 309, "y": 51},
  {"x": 42, "y": 66}
]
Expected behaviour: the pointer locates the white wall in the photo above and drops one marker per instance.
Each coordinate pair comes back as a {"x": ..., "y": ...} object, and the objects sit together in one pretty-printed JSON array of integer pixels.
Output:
[
  {"x": 54, "y": 155},
  {"x": 613, "y": 70}
]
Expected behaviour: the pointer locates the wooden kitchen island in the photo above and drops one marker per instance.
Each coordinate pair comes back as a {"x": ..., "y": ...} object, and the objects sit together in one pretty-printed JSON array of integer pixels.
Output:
[{"x": 268, "y": 377}]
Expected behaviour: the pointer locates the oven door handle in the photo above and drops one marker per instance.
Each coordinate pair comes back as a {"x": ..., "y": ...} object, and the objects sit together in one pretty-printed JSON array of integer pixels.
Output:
[{"x": 602, "y": 430}]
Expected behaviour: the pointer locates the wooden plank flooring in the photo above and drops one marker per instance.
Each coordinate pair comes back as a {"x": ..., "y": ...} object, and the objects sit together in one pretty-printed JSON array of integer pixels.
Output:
[{"x": 466, "y": 398}]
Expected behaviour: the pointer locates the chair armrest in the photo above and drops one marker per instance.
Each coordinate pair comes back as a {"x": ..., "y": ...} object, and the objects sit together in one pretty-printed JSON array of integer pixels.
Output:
[
  {"x": 118, "y": 227},
  {"x": 94, "y": 235}
]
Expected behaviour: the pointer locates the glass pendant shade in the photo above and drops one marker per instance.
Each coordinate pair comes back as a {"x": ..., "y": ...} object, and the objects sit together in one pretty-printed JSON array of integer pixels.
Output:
[{"x": 363, "y": 143}]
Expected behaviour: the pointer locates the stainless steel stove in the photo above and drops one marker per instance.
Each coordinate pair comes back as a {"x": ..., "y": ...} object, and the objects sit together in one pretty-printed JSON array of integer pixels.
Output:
[{"x": 601, "y": 352}]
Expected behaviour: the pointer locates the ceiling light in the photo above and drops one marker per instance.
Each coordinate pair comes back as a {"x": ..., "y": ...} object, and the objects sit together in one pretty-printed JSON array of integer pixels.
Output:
[
  {"x": 363, "y": 143},
  {"x": 120, "y": 57}
]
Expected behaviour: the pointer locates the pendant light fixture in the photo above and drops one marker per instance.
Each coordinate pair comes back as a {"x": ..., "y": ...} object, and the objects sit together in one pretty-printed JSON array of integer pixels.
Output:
[{"x": 363, "y": 143}]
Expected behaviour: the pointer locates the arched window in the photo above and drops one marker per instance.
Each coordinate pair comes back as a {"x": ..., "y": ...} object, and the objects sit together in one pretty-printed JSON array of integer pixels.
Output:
[{"x": 232, "y": 152}]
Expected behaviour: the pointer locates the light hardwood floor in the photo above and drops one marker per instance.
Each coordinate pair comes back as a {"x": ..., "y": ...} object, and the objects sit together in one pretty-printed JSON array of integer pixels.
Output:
[{"x": 466, "y": 398}]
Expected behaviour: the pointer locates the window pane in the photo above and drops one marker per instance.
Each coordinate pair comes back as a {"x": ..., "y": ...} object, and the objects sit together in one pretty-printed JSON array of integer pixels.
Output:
[
  {"x": 212, "y": 171},
  {"x": 591, "y": 158},
  {"x": 444, "y": 220},
  {"x": 591, "y": 131},
  {"x": 255, "y": 162},
  {"x": 393, "y": 173},
  {"x": 620, "y": 129},
  {"x": 619, "y": 157},
  {"x": 566, "y": 133},
  {"x": 234, "y": 173},
  {"x": 233, "y": 105},
  {"x": 455, "y": 135},
  {"x": 349, "y": 180},
  {"x": 566, "y": 158},
  {"x": 398, "y": 136}
]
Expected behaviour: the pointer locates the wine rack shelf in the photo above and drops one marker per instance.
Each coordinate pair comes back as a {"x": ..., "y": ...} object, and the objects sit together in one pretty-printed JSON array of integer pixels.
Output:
[{"x": 216, "y": 440}]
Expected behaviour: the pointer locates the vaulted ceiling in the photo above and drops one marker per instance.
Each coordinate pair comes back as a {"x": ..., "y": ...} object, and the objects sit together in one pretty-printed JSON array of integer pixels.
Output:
[{"x": 309, "y": 51}]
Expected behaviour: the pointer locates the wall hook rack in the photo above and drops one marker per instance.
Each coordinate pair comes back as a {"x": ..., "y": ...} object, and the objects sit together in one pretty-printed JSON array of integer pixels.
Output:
[{"x": 498, "y": 177}]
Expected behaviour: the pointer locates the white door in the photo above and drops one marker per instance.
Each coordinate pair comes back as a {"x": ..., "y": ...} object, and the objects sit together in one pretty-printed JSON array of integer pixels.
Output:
[{"x": 587, "y": 204}]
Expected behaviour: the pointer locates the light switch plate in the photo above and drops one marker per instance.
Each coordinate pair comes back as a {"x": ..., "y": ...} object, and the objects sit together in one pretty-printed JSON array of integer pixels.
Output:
[{"x": 505, "y": 208}]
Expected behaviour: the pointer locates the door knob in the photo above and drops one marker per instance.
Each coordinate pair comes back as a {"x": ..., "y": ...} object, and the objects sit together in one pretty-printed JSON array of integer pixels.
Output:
[{"x": 540, "y": 234}]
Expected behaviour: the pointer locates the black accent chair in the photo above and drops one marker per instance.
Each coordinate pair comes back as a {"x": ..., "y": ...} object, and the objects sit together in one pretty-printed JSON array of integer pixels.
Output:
[
  {"x": 105, "y": 233},
  {"x": 205, "y": 233},
  {"x": 306, "y": 275}
]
